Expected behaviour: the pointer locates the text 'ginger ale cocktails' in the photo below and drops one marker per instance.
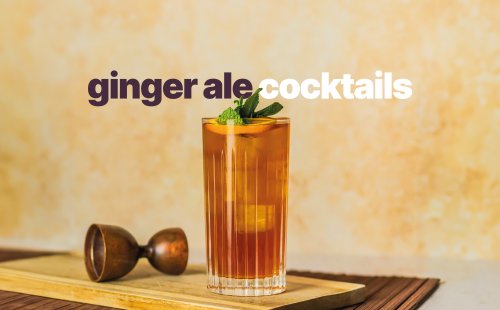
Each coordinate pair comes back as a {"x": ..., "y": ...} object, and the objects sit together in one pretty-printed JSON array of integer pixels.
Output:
[{"x": 246, "y": 201}]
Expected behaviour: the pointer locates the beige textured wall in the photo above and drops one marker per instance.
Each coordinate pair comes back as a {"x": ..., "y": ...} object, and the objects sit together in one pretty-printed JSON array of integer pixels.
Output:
[{"x": 373, "y": 177}]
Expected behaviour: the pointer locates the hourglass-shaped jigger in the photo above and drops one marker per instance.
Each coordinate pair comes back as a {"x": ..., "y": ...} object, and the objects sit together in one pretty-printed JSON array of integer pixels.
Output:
[{"x": 112, "y": 252}]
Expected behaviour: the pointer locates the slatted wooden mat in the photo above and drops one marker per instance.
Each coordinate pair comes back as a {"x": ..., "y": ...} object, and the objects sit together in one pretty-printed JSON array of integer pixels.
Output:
[{"x": 385, "y": 293}]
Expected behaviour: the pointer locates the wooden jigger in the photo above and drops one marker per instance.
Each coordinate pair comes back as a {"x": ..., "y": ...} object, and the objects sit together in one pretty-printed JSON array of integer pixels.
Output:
[{"x": 112, "y": 252}]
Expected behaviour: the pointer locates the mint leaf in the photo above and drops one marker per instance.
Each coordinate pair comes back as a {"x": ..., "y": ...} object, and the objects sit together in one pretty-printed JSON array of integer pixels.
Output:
[
  {"x": 251, "y": 103},
  {"x": 270, "y": 110},
  {"x": 239, "y": 104},
  {"x": 230, "y": 117}
]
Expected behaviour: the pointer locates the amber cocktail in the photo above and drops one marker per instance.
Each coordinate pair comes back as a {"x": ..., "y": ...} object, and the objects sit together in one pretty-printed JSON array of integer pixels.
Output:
[{"x": 246, "y": 202}]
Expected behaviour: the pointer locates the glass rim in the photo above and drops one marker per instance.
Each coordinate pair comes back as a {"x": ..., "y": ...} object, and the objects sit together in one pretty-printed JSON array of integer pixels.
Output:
[{"x": 279, "y": 120}]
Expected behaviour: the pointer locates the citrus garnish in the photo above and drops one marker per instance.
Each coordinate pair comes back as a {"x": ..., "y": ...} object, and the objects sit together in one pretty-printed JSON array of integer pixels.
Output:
[
  {"x": 259, "y": 121},
  {"x": 254, "y": 126}
]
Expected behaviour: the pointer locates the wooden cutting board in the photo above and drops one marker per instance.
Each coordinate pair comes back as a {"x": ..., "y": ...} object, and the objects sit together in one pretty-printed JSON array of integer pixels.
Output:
[{"x": 64, "y": 277}]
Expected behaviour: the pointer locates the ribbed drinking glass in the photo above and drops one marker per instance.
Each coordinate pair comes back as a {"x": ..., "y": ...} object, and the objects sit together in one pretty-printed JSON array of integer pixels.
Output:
[{"x": 246, "y": 204}]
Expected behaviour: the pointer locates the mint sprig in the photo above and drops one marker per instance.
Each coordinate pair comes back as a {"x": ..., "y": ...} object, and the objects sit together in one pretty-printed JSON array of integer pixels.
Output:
[
  {"x": 250, "y": 104},
  {"x": 245, "y": 111}
]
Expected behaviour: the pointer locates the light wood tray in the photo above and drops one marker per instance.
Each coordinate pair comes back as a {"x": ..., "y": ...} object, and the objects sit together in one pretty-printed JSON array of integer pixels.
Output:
[{"x": 64, "y": 277}]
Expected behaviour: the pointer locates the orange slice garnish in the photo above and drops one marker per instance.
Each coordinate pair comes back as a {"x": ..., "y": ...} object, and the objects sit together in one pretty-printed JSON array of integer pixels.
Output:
[{"x": 257, "y": 125}]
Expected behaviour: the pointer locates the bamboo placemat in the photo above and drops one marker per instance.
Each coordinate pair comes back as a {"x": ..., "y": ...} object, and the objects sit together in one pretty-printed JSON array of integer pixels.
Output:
[{"x": 385, "y": 293}]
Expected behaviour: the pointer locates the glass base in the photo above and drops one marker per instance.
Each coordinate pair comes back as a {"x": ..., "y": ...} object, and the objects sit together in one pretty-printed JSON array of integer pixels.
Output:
[{"x": 247, "y": 287}]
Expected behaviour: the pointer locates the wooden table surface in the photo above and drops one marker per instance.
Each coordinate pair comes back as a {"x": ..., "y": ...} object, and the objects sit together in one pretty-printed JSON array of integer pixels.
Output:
[{"x": 381, "y": 292}]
